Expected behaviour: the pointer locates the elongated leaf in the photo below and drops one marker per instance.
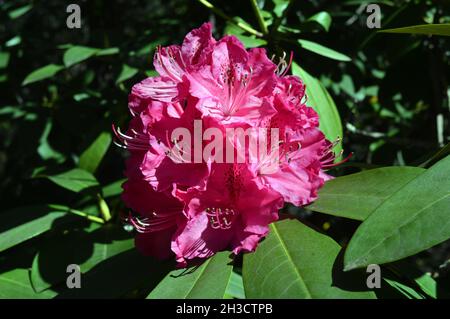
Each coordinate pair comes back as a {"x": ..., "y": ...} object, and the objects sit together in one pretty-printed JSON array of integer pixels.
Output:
[
  {"x": 86, "y": 249},
  {"x": 24, "y": 223},
  {"x": 4, "y": 59},
  {"x": 113, "y": 189},
  {"x": 17, "y": 13},
  {"x": 413, "y": 219},
  {"x": 16, "y": 284},
  {"x": 77, "y": 54},
  {"x": 93, "y": 155},
  {"x": 108, "y": 51},
  {"x": 323, "y": 104},
  {"x": 119, "y": 276},
  {"x": 75, "y": 180},
  {"x": 235, "y": 288},
  {"x": 323, "y": 18},
  {"x": 323, "y": 50},
  {"x": 294, "y": 261},
  {"x": 430, "y": 29},
  {"x": 208, "y": 281},
  {"x": 42, "y": 73},
  {"x": 126, "y": 73},
  {"x": 356, "y": 196}
]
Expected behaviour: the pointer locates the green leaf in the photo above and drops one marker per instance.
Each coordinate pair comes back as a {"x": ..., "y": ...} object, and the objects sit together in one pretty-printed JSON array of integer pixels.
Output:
[
  {"x": 77, "y": 54},
  {"x": 4, "y": 59},
  {"x": 15, "y": 284},
  {"x": 86, "y": 249},
  {"x": 24, "y": 223},
  {"x": 323, "y": 18},
  {"x": 107, "y": 51},
  {"x": 13, "y": 41},
  {"x": 208, "y": 281},
  {"x": 248, "y": 41},
  {"x": 413, "y": 219},
  {"x": 294, "y": 261},
  {"x": 323, "y": 104},
  {"x": 356, "y": 196},
  {"x": 126, "y": 73},
  {"x": 42, "y": 73},
  {"x": 251, "y": 41},
  {"x": 75, "y": 180},
  {"x": 90, "y": 159},
  {"x": 279, "y": 7},
  {"x": 404, "y": 289},
  {"x": 113, "y": 189},
  {"x": 235, "y": 287},
  {"x": 444, "y": 151},
  {"x": 430, "y": 29},
  {"x": 322, "y": 50},
  {"x": 119, "y": 276},
  {"x": 16, "y": 13}
]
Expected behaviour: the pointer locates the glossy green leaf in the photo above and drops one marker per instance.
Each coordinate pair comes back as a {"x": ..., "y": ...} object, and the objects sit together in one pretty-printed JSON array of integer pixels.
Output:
[
  {"x": 27, "y": 222},
  {"x": 90, "y": 159},
  {"x": 280, "y": 6},
  {"x": 207, "y": 281},
  {"x": 42, "y": 73},
  {"x": 323, "y": 104},
  {"x": 108, "y": 51},
  {"x": 113, "y": 189},
  {"x": 118, "y": 276},
  {"x": 126, "y": 73},
  {"x": 17, "y": 13},
  {"x": 356, "y": 196},
  {"x": 406, "y": 290},
  {"x": 322, "y": 50},
  {"x": 86, "y": 249},
  {"x": 323, "y": 18},
  {"x": 235, "y": 287},
  {"x": 77, "y": 54},
  {"x": 413, "y": 219},
  {"x": 75, "y": 180},
  {"x": 4, "y": 59},
  {"x": 16, "y": 284},
  {"x": 429, "y": 29},
  {"x": 294, "y": 261}
]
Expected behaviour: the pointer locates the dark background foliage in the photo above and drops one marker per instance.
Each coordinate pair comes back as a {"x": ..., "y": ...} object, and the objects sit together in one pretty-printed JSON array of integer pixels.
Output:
[{"x": 389, "y": 97}]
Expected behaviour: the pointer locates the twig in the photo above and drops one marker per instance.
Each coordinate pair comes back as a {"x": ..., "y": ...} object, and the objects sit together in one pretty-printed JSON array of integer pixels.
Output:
[
  {"x": 222, "y": 14},
  {"x": 261, "y": 22}
]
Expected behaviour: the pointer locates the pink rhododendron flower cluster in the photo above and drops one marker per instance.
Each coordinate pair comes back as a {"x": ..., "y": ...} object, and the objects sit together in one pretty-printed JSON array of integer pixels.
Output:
[{"x": 194, "y": 209}]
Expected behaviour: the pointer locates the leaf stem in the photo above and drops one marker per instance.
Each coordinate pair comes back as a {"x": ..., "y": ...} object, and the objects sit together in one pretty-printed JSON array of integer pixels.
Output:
[
  {"x": 222, "y": 14},
  {"x": 104, "y": 209},
  {"x": 261, "y": 22},
  {"x": 89, "y": 217}
]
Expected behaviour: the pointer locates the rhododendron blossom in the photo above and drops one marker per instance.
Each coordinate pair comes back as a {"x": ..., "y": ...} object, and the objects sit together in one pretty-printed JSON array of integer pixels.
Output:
[{"x": 190, "y": 204}]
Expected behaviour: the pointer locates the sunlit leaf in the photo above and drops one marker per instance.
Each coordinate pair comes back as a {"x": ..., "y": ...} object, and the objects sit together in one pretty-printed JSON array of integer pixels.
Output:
[
  {"x": 323, "y": 104},
  {"x": 413, "y": 219},
  {"x": 90, "y": 159},
  {"x": 207, "y": 281},
  {"x": 75, "y": 180},
  {"x": 428, "y": 29},
  {"x": 295, "y": 261},
  {"x": 77, "y": 54},
  {"x": 42, "y": 73},
  {"x": 323, "y": 50},
  {"x": 356, "y": 196}
]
